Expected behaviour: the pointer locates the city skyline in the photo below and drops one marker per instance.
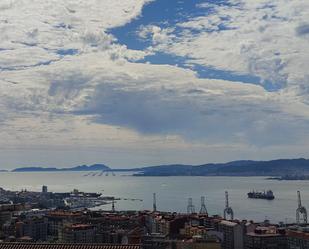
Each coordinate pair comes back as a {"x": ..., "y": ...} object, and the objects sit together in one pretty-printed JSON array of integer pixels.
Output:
[{"x": 148, "y": 82}]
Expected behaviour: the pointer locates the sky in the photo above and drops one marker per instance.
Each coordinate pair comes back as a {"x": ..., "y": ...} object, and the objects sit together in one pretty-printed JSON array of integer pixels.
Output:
[{"x": 145, "y": 82}]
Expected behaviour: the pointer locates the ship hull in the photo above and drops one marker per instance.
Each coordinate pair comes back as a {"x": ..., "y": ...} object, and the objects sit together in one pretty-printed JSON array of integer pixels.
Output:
[{"x": 260, "y": 196}]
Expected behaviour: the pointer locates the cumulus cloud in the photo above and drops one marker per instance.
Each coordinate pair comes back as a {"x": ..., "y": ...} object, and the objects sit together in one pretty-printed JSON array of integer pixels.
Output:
[
  {"x": 40, "y": 32},
  {"x": 248, "y": 37},
  {"x": 156, "y": 34},
  {"x": 160, "y": 100},
  {"x": 66, "y": 82}
]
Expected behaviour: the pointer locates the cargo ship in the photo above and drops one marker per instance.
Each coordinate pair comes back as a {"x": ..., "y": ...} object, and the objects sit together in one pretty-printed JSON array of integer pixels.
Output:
[{"x": 268, "y": 195}]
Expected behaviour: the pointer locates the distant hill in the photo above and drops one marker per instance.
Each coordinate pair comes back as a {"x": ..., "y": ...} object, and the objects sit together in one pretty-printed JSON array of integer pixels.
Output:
[
  {"x": 280, "y": 167},
  {"x": 95, "y": 167},
  {"x": 236, "y": 168}
]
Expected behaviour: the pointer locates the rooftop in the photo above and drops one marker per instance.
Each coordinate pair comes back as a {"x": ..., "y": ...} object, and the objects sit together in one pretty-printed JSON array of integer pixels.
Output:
[
  {"x": 65, "y": 246},
  {"x": 228, "y": 223},
  {"x": 270, "y": 231},
  {"x": 63, "y": 214},
  {"x": 79, "y": 226},
  {"x": 298, "y": 232}
]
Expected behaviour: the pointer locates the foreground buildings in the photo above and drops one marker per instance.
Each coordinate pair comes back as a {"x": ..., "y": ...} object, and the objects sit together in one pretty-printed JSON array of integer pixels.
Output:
[
  {"x": 232, "y": 233},
  {"x": 266, "y": 237},
  {"x": 298, "y": 237},
  {"x": 23, "y": 227}
]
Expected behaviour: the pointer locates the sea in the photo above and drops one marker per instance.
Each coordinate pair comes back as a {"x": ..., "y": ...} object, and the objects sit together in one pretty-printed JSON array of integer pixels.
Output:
[{"x": 136, "y": 193}]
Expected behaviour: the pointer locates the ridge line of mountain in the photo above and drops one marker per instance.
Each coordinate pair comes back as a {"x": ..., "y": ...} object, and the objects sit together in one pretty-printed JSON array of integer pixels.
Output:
[
  {"x": 94, "y": 167},
  {"x": 277, "y": 167}
]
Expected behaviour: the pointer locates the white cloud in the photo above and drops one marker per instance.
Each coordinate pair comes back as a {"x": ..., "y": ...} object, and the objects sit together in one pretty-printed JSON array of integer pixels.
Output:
[
  {"x": 156, "y": 100},
  {"x": 263, "y": 38},
  {"x": 156, "y": 34},
  {"x": 66, "y": 83},
  {"x": 37, "y": 32},
  {"x": 81, "y": 105}
]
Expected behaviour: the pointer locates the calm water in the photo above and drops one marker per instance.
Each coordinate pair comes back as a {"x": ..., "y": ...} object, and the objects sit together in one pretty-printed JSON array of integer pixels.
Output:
[{"x": 173, "y": 192}]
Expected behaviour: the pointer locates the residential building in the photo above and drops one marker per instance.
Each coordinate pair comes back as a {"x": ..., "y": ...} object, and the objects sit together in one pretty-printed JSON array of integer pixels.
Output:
[
  {"x": 298, "y": 237},
  {"x": 233, "y": 236},
  {"x": 57, "y": 220},
  {"x": 36, "y": 229},
  {"x": 269, "y": 237},
  {"x": 79, "y": 233}
]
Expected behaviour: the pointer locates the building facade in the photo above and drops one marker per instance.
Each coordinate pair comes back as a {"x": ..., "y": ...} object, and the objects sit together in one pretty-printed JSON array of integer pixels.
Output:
[
  {"x": 233, "y": 235},
  {"x": 298, "y": 237},
  {"x": 266, "y": 238}
]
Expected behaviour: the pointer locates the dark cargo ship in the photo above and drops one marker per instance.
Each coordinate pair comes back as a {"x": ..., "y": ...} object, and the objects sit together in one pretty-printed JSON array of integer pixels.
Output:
[{"x": 268, "y": 195}]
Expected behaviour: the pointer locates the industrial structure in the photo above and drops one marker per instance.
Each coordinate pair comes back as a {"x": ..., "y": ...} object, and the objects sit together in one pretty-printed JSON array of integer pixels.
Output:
[
  {"x": 301, "y": 210},
  {"x": 191, "y": 207},
  {"x": 203, "y": 209},
  {"x": 113, "y": 206},
  {"x": 228, "y": 211},
  {"x": 154, "y": 202}
]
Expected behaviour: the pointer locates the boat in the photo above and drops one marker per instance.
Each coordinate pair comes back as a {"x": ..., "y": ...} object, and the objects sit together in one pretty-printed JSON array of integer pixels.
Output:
[{"x": 268, "y": 195}]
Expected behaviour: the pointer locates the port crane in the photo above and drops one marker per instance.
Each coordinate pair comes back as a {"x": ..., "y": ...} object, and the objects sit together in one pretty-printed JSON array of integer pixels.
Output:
[
  {"x": 203, "y": 209},
  {"x": 191, "y": 207},
  {"x": 228, "y": 211},
  {"x": 301, "y": 210}
]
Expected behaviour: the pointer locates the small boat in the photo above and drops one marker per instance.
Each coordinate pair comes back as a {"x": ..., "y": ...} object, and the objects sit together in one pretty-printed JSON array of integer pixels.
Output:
[{"x": 267, "y": 195}]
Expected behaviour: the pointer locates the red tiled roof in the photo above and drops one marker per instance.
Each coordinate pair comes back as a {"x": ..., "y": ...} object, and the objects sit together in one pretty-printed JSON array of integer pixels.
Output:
[
  {"x": 298, "y": 234},
  {"x": 79, "y": 226},
  {"x": 65, "y": 246},
  {"x": 63, "y": 214}
]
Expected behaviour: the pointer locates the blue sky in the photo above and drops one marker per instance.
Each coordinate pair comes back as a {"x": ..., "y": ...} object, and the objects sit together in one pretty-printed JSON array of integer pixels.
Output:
[
  {"x": 168, "y": 13},
  {"x": 145, "y": 82},
  {"x": 162, "y": 13}
]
